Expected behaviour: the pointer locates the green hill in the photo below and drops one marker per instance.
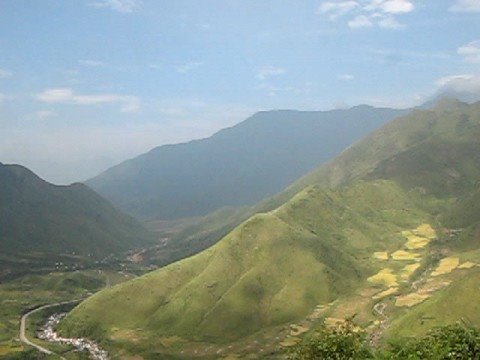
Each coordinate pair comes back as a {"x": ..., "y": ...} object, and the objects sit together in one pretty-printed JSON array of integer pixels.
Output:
[
  {"x": 41, "y": 223},
  {"x": 237, "y": 166},
  {"x": 392, "y": 221}
]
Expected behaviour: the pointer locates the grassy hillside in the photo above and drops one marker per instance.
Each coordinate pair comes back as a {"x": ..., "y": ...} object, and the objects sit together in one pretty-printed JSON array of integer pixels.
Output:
[
  {"x": 272, "y": 269},
  {"x": 237, "y": 166},
  {"x": 42, "y": 222},
  {"x": 434, "y": 150},
  {"x": 391, "y": 225}
]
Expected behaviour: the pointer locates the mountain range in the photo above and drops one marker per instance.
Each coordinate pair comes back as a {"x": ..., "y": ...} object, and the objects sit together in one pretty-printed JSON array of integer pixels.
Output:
[
  {"x": 237, "y": 166},
  {"x": 388, "y": 232}
]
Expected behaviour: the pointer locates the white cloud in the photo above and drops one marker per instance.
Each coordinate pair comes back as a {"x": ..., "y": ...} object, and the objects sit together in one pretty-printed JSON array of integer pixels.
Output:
[
  {"x": 92, "y": 63},
  {"x": 389, "y": 22},
  {"x": 360, "y": 21},
  {"x": 266, "y": 72},
  {"x": 367, "y": 13},
  {"x": 470, "y": 52},
  {"x": 5, "y": 73},
  {"x": 45, "y": 114},
  {"x": 390, "y": 6},
  {"x": 188, "y": 66},
  {"x": 68, "y": 96},
  {"x": 337, "y": 9},
  {"x": 345, "y": 77},
  {"x": 468, "y": 83},
  {"x": 466, "y": 6},
  {"x": 121, "y": 6}
]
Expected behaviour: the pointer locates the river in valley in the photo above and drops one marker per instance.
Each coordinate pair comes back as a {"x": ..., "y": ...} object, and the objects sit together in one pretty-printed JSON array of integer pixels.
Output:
[{"x": 47, "y": 333}]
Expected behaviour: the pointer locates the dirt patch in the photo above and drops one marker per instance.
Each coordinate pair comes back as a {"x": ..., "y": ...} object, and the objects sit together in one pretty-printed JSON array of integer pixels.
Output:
[
  {"x": 291, "y": 341},
  {"x": 296, "y": 330}
]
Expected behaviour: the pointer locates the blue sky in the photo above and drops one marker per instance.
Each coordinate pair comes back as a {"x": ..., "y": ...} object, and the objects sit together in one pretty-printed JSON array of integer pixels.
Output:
[{"x": 85, "y": 84}]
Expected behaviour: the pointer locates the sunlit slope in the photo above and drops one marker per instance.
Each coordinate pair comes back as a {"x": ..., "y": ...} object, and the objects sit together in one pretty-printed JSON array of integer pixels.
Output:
[
  {"x": 272, "y": 269},
  {"x": 437, "y": 150}
]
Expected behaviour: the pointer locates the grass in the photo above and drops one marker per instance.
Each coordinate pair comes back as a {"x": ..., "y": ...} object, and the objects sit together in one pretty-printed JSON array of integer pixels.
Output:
[
  {"x": 16, "y": 296},
  {"x": 273, "y": 269},
  {"x": 451, "y": 304},
  {"x": 277, "y": 267}
]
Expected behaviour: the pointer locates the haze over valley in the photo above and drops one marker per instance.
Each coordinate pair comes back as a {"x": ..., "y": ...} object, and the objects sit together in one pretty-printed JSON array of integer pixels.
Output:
[{"x": 240, "y": 180}]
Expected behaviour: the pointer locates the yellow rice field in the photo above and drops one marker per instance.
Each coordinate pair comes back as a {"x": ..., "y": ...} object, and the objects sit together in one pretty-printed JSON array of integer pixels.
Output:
[
  {"x": 381, "y": 255},
  {"x": 446, "y": 266},
  {"x": 385, "y": 293},
  {"x": 411, "y": 299},
  {"x": 403, "y": 255},
  {"x": 384, "y": 277}
]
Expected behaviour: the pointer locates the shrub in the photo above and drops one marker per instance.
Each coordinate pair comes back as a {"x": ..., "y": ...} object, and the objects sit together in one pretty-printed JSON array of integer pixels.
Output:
[{"x": 343, "y": 342}]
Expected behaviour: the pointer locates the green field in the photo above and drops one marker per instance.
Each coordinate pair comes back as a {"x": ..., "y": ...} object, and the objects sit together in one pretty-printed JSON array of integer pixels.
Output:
[{"x": 27, "y": 292}]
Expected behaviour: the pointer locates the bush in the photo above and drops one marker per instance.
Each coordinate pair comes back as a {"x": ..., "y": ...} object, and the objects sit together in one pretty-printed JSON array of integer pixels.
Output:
[
  {"x": 348, "y": 342},
  {"x": 451, "y": 342},
  {"x": 344, "y": 342}
]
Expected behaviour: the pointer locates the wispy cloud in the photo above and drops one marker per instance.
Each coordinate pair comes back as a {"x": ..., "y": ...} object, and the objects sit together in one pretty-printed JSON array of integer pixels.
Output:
[
  {"x": 466, "y": 6},
  {"x": 470, "y": 52},
  {"x": 121, "y": 6},
  {"x": 337, "y": 8},
  {"x": 92, "y": 63},
  {"x": 266, "y": 72},
  {"x": 389, "y": 22},
  {"x": 360, "y": 21},
  {"x": 4, "y": 73},
  {"x": 367, "y": 13},
  {"x": 274, "y": 90},
  {"x": 345, "y": 77},
  {"x": 468, "y": 83},
  {"x": 45, "y": 114},
  {"x": 188, "y": 66},
  {"x": 390, "y": 6},
  {"x": 68, "y": 96}
]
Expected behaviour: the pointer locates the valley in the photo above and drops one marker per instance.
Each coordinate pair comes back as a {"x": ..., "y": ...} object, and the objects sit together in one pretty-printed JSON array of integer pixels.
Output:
[
  {"x": 240, "y": 180},
  {"x": 376, "y": 248}
]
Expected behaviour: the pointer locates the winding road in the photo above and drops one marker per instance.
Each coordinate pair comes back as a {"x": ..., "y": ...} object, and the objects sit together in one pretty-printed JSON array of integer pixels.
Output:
[{"x": 23, "y": 321}]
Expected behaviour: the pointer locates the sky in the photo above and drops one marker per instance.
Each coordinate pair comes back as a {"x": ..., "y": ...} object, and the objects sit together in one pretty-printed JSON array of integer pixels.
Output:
[{"x": 85, "y": 84}]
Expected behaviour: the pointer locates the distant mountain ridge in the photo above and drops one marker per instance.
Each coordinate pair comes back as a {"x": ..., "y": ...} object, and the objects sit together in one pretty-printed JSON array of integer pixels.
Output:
[
  {"x": 394, "y": 219},
  {"x": 44, "y": 220},
  {"x": 237, "y": 166}
]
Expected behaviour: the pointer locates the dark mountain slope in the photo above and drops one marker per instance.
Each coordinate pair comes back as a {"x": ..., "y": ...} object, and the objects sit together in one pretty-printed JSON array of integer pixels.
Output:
[
  {"x": 37, "y": 217},
  {"x": 237, "y": 166}
]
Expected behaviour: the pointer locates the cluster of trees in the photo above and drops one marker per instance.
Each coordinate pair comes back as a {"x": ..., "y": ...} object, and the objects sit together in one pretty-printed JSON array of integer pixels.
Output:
[{"x": 348, "y": 342}]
